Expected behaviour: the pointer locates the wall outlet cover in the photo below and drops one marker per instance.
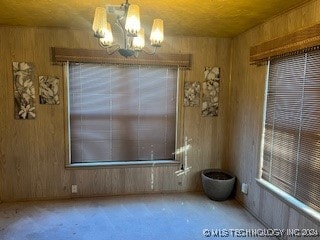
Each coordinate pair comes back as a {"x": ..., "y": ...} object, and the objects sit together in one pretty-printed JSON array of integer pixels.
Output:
[
  {"x": 74, "y": 188},
  {"x": 244, "y": 188}
]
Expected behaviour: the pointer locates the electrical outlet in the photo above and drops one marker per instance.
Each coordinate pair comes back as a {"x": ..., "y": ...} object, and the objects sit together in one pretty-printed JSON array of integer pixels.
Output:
[
  {"x": 244, "y": 188},
  {"x": 74, "y": 188}
]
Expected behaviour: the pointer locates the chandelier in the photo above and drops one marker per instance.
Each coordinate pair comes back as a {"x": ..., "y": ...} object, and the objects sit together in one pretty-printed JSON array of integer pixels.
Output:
[{"x": 128, "y": 20}]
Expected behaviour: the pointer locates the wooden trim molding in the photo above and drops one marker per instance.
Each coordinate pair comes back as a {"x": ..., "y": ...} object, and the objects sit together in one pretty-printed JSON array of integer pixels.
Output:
[
  {"x": 101, "y": 56},
  {"x": 303, "y": 40}
]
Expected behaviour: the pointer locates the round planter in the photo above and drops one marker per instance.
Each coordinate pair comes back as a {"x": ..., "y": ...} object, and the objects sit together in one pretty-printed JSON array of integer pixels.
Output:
[{"x": 217, "y": 184}]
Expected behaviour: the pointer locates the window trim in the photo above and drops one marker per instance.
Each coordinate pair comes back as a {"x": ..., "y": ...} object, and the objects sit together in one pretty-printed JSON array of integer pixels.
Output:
[
  {"x": 110, "y": 164},
  {"x": 277, "y": 192}
]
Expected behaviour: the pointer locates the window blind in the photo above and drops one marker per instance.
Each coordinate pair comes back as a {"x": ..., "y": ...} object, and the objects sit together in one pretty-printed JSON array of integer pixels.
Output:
[
  {"x": 121, "y": 113},
  {"x": 291, "y": 153}
]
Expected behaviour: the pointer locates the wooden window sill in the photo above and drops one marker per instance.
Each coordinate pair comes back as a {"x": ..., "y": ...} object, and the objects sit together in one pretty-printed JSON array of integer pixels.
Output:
[{"x": 121, "y": 164}]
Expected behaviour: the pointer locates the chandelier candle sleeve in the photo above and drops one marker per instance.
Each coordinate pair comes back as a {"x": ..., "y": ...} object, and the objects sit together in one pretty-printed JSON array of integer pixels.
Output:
[
  {"x": 133, "y": 20},
  {"x": 100, "y": 19},
  {"x": 156, "y": 36},
  {"x": 107, "y": 40},
  {"x": 138, "y": 41}
]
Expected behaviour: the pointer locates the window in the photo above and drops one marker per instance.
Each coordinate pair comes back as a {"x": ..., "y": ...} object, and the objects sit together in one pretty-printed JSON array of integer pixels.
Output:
[
  {"x": 291, "y": 152},
  {"x": 121, "y": 113}
]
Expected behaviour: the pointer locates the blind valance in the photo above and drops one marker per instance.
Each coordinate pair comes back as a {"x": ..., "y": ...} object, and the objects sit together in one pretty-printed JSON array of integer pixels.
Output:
[
  {"x": 303, "y": 40},
  {"x": 101, "y": 56}
]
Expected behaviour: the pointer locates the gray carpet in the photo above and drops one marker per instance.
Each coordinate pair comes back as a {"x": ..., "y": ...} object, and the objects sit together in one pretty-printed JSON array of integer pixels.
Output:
[{"x": 151, "y": 216}]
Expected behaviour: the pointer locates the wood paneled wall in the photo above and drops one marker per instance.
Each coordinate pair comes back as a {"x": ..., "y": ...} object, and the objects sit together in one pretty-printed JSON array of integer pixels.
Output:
[
  {"x": 33, "y": 152},
  {"x": 247, "y": 88}
]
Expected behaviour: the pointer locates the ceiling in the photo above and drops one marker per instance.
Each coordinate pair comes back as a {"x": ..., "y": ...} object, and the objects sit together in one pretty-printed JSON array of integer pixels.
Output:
[{"x": 207, "y": 18}]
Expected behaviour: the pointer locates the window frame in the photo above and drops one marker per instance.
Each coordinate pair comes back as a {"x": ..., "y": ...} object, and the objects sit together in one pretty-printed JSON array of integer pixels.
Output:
[
  {"x": 112, "y": 164},
  {"x": 293, "y": 202}
]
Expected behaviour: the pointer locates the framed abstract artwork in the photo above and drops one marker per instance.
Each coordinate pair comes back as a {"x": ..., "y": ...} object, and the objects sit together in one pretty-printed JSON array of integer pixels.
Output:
[
  {"x": 210, "y": 92},
  {"x": 191, "y": 94},
  {"x": 49, "y": 90},
  {"x": 24, "y": 91}
]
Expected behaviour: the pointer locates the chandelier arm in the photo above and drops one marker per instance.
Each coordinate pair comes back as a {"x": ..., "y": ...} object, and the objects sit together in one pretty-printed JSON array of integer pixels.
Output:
[
  {"x": 148, "y": 52},
  {"x": 108, "y": 48},
  {"x": 117, "y": 47},
  {"x": 136, "y": 54}
]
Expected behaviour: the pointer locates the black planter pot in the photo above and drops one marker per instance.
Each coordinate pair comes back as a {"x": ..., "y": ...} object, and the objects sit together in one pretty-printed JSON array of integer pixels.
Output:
[{"x": 217, "y": 184}]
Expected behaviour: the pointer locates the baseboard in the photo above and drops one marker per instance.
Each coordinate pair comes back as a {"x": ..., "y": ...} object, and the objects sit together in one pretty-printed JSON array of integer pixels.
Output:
[
  {"x": 254, "y": 215},
  {"x": 76, "y": 196}
]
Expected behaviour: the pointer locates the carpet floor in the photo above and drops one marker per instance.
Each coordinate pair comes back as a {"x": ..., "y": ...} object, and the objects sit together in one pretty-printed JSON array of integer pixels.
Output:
[{"x": 185, "y": 216}]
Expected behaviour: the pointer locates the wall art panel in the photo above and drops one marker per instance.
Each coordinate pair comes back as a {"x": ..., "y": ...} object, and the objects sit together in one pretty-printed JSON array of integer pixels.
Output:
[
  {"x": 24, "y": 92},
  {"x": 210, "y": 92},
  {"x": 191, "y": 94},
  {"x": 49, "y": 90}
]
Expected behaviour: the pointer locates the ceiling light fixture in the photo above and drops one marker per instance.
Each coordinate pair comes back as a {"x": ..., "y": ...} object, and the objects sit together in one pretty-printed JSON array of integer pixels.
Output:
[{"x": 128, "y": 20}]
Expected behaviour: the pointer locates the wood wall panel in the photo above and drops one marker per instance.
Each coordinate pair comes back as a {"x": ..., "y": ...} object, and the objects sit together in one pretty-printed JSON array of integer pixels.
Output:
[
  {"x": 298, "y": 221},
  {"x": 33, "y": 153},
  {"x": 246, "y": 98}
]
